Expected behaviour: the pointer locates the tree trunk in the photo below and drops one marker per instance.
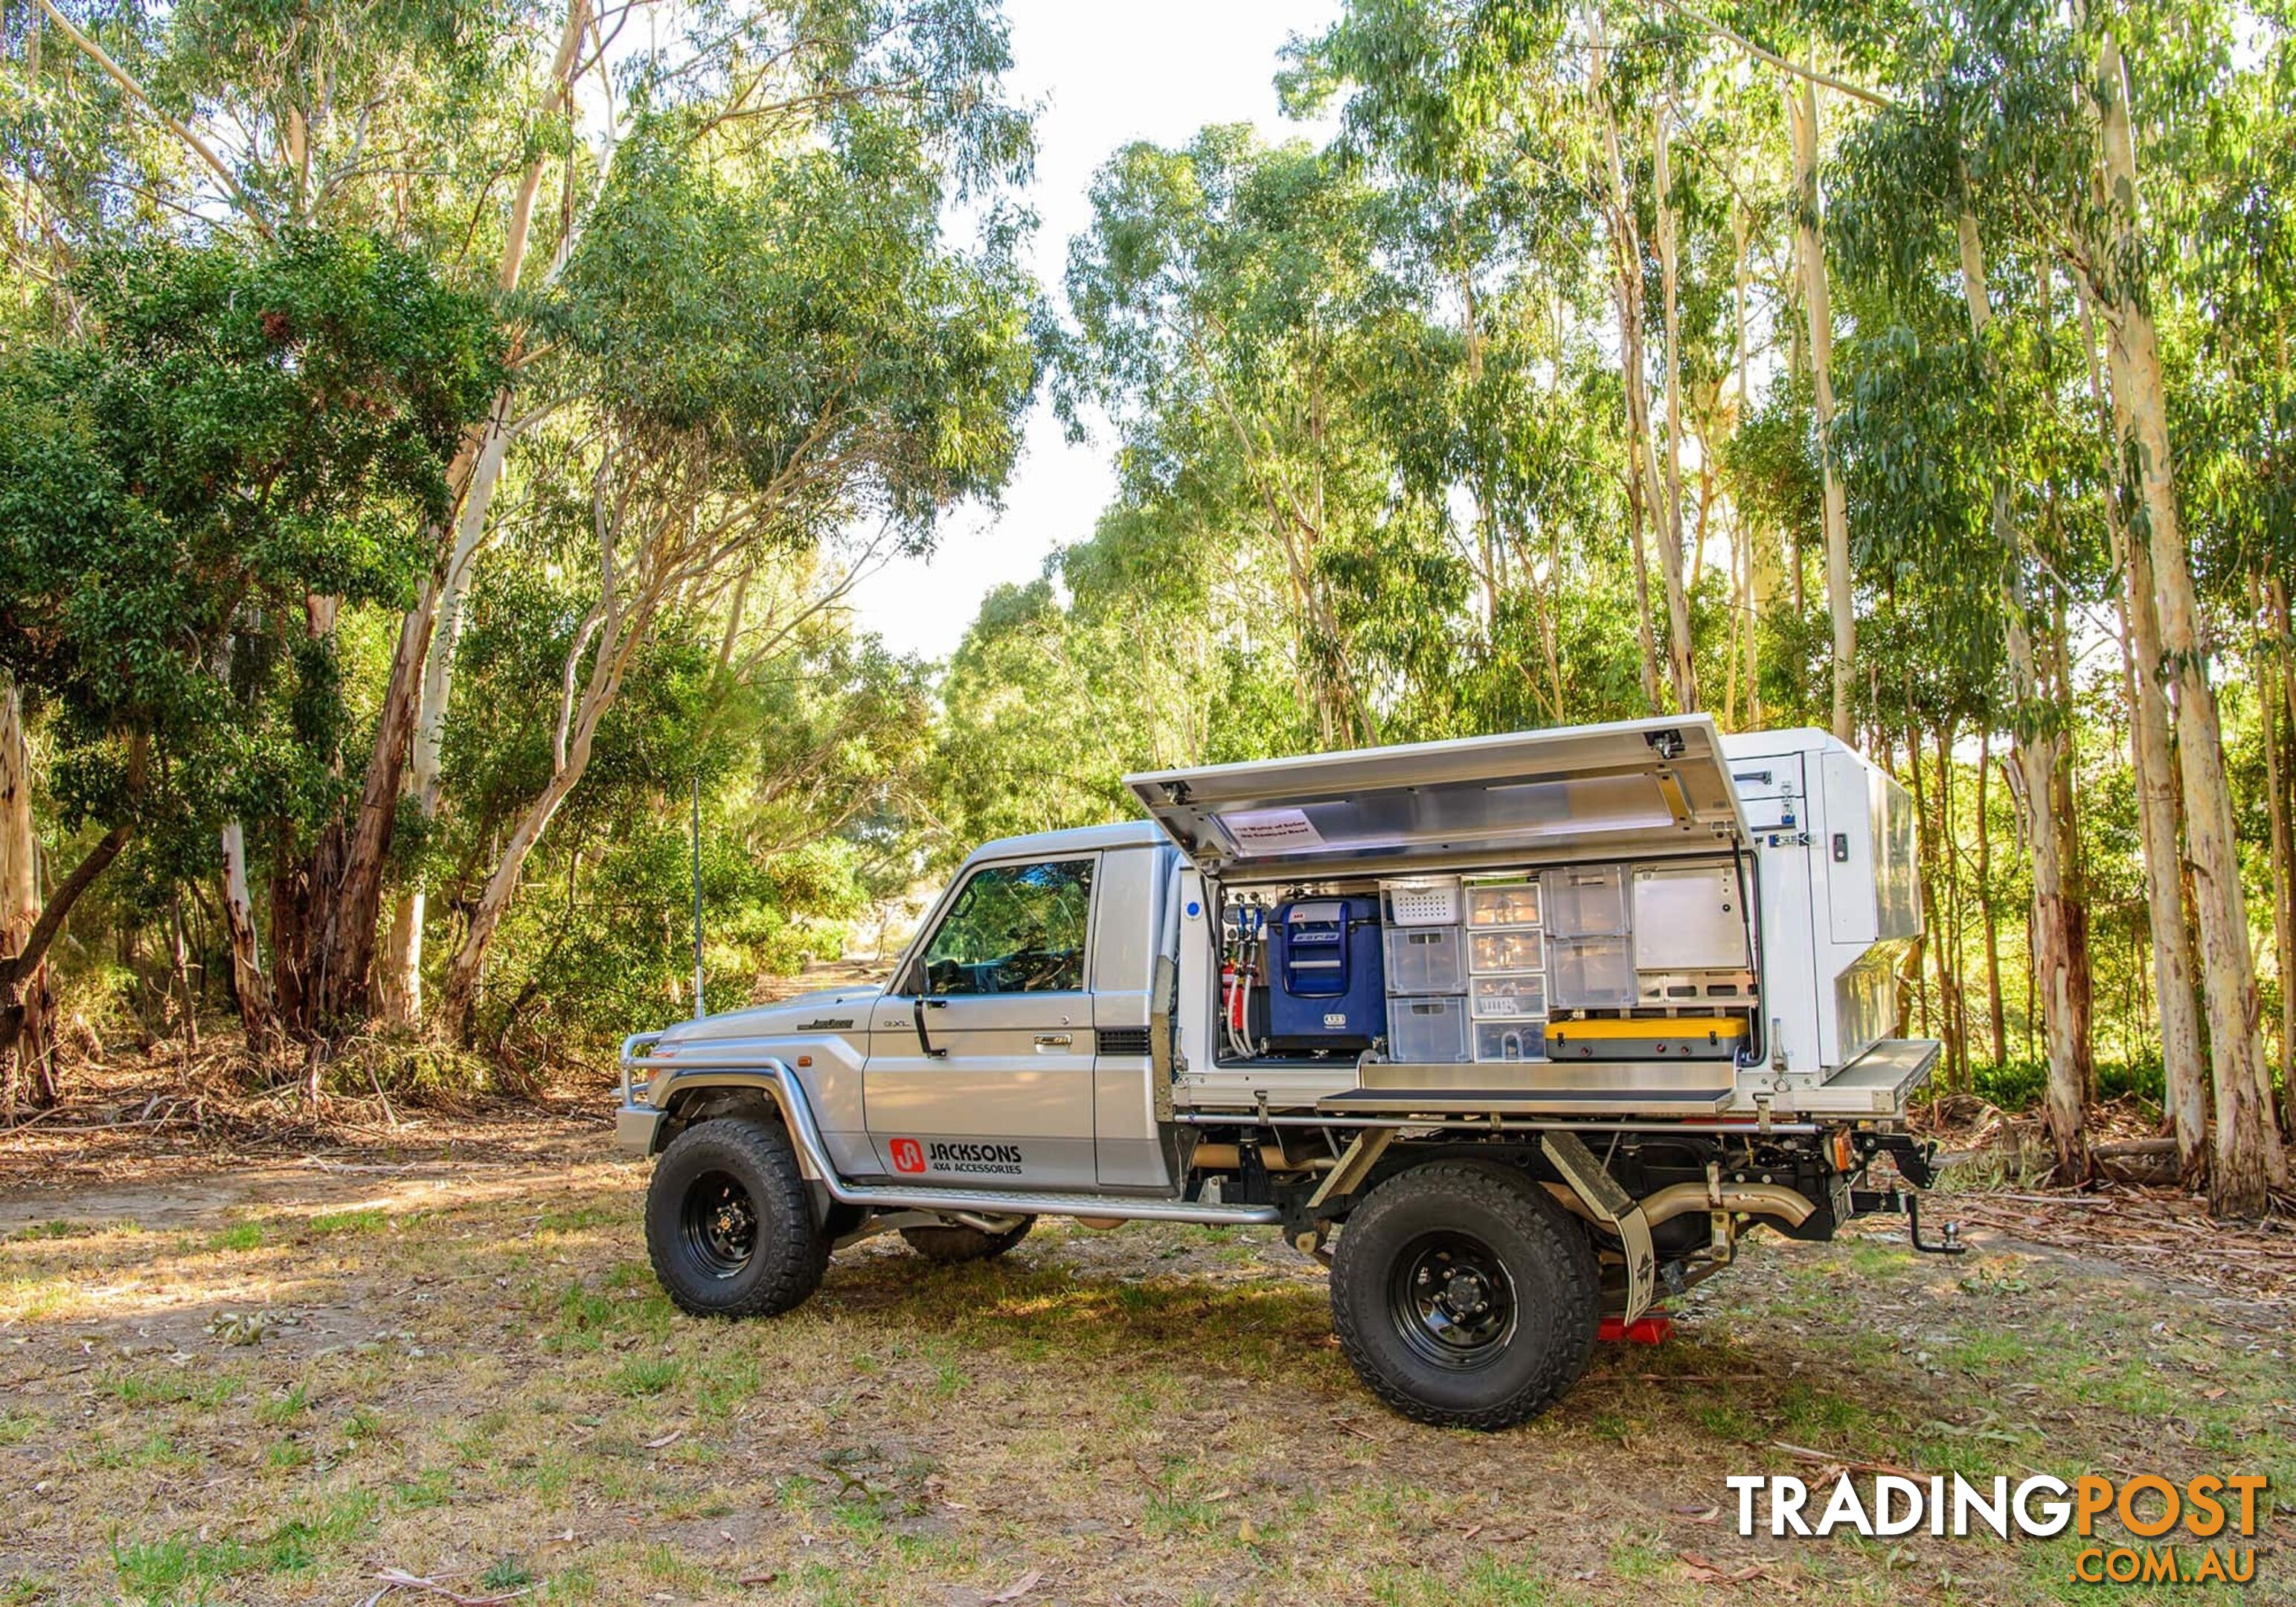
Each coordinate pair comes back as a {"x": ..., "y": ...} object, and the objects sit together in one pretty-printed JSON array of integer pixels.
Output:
[
  {"x": 22, "y": 980},
  {"x": 1682, "y": 669},
  {"x": 179, "y": 972},
  {"x": 20, "y": 908},
  {"x": 401, "y": 965},
  {"x": 2153, "y": 758},
  {"x": 1643, "y": 491},
  {"x": 2039, "y": 740},
  {"x": 2270, "y": 669},
  {"x": 1802, "y": 114},
  {"x": 258, "y": 1014},
  {"x": 1994, "y": 1018},
  {"x": 461, "y": 992},
  {"x": 2248, "y": 1159}
]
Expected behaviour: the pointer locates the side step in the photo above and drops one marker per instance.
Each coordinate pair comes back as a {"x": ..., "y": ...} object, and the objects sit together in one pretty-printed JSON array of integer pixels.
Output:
[{"x": 992, "y": 1202}]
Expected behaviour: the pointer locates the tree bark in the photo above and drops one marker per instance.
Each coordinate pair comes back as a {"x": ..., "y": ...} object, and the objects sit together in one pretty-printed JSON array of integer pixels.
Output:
[
  {"x": 2248, "y": 1159},
  {"x": 2039, "y": 744},
  {"x": 401, "y": 968},
  {"x": 1681, "y": 668},
  {"x": 2270, "y": 670},
  {"x": 19, "y": 905},
  {"x": 1996, "y": 1018},
  {"x": 258, "y": 1012},
  {"x": 1801, "y": 115},
  {"x": 1643, "y": 490},
  {"x": 2153, "y": 758}
]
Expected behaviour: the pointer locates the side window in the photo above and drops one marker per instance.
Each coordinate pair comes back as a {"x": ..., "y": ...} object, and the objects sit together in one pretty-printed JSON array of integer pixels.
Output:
[{"x": 1014, "y": 929}]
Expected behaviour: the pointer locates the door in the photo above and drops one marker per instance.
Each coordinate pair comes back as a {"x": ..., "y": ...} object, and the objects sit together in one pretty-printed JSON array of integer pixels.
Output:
[
  {"x": 996, "y": 1092},
  {"x": 1777, "y": 793}
]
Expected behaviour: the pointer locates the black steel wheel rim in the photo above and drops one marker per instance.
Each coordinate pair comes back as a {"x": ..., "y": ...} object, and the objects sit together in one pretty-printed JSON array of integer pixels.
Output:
[
  {"x": 1452, "y": 1300},
  {"x": 720, "y": 1223}
]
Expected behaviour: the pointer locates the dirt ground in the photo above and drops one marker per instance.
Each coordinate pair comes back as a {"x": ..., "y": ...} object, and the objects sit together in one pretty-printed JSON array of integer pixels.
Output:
[{"x": 429, "y": 1363}]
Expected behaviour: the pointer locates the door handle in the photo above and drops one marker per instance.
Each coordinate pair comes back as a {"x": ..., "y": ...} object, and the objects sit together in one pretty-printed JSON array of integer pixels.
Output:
[{"x": 1054, "y": 1040}]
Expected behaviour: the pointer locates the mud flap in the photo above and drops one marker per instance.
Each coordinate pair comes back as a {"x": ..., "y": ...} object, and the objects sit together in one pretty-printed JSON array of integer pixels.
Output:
[{"x": 1602, "y": 1196}]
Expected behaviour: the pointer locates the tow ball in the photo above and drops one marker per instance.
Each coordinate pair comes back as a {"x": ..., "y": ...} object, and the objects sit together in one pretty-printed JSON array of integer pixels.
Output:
[{"x": 1948, "y": 1242}]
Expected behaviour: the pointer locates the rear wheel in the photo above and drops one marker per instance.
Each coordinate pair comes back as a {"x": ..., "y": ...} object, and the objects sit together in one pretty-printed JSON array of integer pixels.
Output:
[
  {"x": 729, "y": 1223},
  {"x": 1465, "y": 1296},
  {"x": 952, "y": 1243}
]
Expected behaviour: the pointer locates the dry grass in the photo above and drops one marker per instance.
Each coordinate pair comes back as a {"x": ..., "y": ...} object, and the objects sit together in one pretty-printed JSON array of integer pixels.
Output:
[{"x": 463, "y": 1370}]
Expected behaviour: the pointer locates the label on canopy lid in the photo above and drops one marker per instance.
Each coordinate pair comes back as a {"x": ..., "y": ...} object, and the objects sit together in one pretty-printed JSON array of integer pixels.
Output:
[{"x": 1271, "y": 831}]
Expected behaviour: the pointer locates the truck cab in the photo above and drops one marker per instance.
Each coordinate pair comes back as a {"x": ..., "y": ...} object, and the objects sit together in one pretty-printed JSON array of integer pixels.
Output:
[{"x": 1515, "y": 1032}]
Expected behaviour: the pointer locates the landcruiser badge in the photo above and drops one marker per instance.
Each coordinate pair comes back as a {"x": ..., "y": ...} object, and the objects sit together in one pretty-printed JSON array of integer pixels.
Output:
[{"x": 828, "y": 1024}]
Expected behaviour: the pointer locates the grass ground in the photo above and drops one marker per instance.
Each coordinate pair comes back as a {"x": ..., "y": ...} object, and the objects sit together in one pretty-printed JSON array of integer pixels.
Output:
[{"x": 278, "y": 1385}]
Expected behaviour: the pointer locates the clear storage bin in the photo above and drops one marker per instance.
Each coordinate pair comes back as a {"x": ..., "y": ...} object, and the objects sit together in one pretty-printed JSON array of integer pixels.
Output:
[
  {"x": 1592, "y": 973},
  {"x": 1422, "y": 1031},
  {"x": 1503, "y": 904},
  {"x": 1510, "y": 1040},
  {"x": 1504, "y": 998},
  {"x": 1489, "y": 951},
  {"x": 1586, "y": 901},
  {"x": 1423, "y": 959},
  {"x": 1422, "y": 902}
]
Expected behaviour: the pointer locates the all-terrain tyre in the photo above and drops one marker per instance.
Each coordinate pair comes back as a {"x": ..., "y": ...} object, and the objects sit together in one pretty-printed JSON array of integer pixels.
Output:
[
  {"x": 1465, "y": 1296},
  {"x": 952, "y": 1243},
  {"x": 729, "y": 1221}
]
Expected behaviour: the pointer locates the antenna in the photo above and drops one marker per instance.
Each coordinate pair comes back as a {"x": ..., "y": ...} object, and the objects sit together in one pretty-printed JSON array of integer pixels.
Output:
[{"x": 699, "y": 1012}]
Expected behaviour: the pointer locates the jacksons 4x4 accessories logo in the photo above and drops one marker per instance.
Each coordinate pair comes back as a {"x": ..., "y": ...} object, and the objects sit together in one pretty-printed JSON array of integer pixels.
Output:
[
  {"x": 2147, "y": 1506},
  {"x": 914, "y": 1157}
]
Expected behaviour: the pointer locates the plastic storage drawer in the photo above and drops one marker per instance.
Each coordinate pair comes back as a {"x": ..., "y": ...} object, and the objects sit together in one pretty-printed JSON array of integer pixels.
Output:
[
  {"x": 1508, "y": 998},
  {"x": 1503, "y": 904},
  {"x": 1422, "y": 902},
  {"x": 1586, "y": 901},
  {"x": 1494, "y": 951},
  {"x": 1592, "y": 973},
  {"x": 1423, "y": 959},
  {"x": 1424, "y": 1031},
  {"x": 1510, "y": 1040}
]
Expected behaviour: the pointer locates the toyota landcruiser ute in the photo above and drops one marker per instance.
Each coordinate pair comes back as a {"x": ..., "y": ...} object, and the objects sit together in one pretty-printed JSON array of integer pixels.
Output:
[{"x": 1515, "y": 1033}]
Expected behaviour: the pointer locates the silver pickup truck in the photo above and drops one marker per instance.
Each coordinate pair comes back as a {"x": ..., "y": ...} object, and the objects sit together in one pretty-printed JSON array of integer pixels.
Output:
[{"x": 1515, "y": 1033}]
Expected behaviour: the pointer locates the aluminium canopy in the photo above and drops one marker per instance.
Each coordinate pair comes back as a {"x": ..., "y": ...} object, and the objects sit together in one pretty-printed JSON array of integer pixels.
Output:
[{"x": 1635, "y": 787}]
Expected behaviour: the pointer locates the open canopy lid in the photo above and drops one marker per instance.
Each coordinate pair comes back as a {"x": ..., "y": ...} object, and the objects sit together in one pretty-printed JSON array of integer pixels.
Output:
[{"x": 1639, "y": 786}]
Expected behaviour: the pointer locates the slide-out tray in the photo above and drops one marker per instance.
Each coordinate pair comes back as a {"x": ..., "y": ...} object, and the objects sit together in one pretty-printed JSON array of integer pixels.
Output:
[{"x": 1527, "y": 1101}]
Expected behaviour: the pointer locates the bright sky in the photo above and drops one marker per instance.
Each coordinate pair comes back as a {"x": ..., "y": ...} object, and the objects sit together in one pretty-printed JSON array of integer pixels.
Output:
[{"x": 1103, "y": 73}]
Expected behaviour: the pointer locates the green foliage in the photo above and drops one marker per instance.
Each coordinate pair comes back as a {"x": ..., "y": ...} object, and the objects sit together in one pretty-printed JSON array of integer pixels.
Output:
[{"x": 242, "y": 431}]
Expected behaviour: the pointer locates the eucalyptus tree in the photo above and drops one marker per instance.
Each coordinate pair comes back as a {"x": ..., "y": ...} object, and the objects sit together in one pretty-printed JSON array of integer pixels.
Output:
[
  {"x": 773, "y": 341},
  {"x": 179, "y": 488},
  {"x": 748, "y": 81},
  {"x": 1530, "y": 103},
  {"x": 1231, "y": 293},
  {"x": 1965, "y": 443}
]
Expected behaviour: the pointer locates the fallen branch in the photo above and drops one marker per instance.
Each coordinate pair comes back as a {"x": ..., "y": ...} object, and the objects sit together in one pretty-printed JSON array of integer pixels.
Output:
[
  {"x": 398, "y": 1578},
  {"x": 1848, "y": 1464}
]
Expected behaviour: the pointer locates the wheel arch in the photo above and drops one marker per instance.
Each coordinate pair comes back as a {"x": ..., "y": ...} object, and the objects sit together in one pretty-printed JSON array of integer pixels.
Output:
[{"x": 757, "y": 1095}]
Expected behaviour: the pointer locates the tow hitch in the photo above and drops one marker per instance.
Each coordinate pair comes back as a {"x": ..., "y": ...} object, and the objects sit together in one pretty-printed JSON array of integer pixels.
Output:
[{"x": 1898, "y": 1201}]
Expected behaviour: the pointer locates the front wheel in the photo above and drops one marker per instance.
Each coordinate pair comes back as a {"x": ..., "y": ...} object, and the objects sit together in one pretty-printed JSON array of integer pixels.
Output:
[
  {"x": 729, "y": 1224},
  {"x": 1465, "y": 1296}
]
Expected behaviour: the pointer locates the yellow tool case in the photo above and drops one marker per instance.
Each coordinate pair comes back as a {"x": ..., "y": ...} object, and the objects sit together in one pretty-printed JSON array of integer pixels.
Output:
[{"x": 1647, "y": 1038}]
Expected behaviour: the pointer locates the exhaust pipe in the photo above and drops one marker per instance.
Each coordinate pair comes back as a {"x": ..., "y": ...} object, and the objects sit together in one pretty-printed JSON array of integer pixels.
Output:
[{"x": 1753, "y": 1199}]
